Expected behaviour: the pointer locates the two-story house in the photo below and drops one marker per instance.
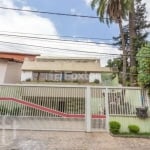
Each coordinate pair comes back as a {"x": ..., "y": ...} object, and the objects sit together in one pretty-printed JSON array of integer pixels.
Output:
[{"x": 63, "y": 69}]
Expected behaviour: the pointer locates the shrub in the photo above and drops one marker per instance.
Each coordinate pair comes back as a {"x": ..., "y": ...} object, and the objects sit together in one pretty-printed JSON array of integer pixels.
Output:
[
  {"x": 96, "y": 81},
  {"x": 46, "y": 80},
  {"x": 133, "y": 129},
  {"x": 114, "y": 127},
  {"x": 28, "y": 80},
  {"x": 75, "y": 81}
]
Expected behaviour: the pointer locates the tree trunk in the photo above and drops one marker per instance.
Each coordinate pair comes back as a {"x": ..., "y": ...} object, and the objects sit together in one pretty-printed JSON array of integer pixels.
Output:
[
  {"x": 124, "y": 53},
  {"x": 132, "y": 34}
]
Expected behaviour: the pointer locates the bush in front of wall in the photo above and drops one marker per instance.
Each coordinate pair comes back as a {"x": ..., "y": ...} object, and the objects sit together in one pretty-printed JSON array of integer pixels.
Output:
[
  {"x": 133, "y": 129},
  {"x": 28, "y": 80},
  {"x": 114, "y": 127},
  {"x": 96, "y": 81}
]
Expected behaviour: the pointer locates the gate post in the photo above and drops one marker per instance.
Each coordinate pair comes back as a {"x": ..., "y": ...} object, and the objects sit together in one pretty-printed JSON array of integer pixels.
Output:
[
  {"x": 88, "y": 109},
  {"x": 107, "y": 109}
]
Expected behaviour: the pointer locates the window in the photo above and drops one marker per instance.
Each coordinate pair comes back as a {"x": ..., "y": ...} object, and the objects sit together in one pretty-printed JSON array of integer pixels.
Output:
[
  {"x": 68, "y": 76},
  {"x": 58, "y": 76}
]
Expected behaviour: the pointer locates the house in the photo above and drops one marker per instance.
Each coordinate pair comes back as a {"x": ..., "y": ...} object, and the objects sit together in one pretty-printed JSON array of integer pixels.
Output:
[
  {"x": 63, "y": 69},
  {"x": 10, "y": 66}
]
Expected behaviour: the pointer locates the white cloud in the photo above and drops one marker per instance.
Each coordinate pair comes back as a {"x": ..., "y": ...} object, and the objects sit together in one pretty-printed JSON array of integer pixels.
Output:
[
  {"x": 88, "y": 2},
  {"x": 147, "y": 8},
  {"x": 148, "y": 14},
  {"x": 72, "y": 10},
  {"x": 14, "y": 21},
  {"x": 22, "y": 21}
]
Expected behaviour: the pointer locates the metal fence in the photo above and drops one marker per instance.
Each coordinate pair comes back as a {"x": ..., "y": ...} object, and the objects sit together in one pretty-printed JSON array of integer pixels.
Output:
[{"x": 70, "y": 108}]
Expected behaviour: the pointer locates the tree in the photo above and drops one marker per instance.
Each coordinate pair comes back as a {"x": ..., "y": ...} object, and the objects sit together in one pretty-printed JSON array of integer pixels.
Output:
[
  {"x": 140, "y": 40},
  {"x": 116, "y": 63},
  {"x": 140, "y": 25},
  {"x": 114, "y": 10},
  {"x": 143, "y": 58},
  {"x": 132, "y": 35}
]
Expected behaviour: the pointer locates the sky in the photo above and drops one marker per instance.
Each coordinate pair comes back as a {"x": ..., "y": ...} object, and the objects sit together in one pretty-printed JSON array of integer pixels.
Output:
[
  {"x": 70, "y": 25},
  {"x": 53, "y": 28}
]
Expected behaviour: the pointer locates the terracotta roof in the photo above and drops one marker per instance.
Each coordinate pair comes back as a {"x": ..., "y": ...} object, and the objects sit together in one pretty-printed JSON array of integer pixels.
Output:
[
  {"x": 17, "y": 56},
  {"x": 63, "y": 66}
]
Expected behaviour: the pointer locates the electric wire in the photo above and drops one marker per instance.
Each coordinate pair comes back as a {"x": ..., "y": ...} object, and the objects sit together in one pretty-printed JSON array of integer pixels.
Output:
[
  {"x": 53, "y": 39},
  {"x": 50, "y": 13},
  {"x": 58, "y": 14},
  {"x": 61, "y": 36},
  {"x": 71, "y": 50}
]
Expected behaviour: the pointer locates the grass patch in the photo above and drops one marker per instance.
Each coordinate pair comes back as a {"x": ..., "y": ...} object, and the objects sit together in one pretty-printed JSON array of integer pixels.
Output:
[{"x": 128, "y": 135}]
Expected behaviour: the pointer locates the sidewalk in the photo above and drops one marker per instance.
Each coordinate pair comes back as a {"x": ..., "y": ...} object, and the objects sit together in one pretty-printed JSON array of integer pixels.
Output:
[{"x": 50, "y": 140}]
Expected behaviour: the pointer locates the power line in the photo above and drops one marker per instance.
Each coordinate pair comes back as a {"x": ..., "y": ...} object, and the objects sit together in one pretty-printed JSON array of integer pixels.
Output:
[
  {"x": 63, "y": 36},
  {"x": 106, "y": 66},
  {"x": 53, "y": 39},
  {"x": 50, "y": 51},
  {"x": 64, "y": 49},
  {"x": 69, "y": 50},
  {"x": 50, "y": 13},
  {"x": 58, "y": 14}
]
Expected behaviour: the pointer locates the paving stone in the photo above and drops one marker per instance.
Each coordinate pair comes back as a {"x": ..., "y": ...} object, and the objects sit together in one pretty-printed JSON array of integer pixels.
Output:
[{"x": 50, "y": 140}]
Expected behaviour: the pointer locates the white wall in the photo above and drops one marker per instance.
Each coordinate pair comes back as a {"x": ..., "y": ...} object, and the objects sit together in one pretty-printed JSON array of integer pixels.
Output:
[
  {"x": 26, "y": 75},
  {"x": 3, "y": 68},
  {"x": 94, "y": 76}
]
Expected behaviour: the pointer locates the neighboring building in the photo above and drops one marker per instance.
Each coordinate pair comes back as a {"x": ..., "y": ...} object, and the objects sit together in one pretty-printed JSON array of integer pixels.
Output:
[
  {"x": 63, "y": 69},
  {"x": 10, "y": 66}
]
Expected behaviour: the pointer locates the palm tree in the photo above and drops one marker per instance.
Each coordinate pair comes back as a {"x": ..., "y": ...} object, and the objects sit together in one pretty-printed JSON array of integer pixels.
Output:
[
  {"x": 132, "y": 35},
  {"x": 114, "y": 10}
]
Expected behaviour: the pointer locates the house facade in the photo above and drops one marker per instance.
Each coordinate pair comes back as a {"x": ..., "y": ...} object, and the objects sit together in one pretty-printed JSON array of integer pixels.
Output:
[
  {"x": 10, "y": 66},
  {"x": 63, "y": 69}
]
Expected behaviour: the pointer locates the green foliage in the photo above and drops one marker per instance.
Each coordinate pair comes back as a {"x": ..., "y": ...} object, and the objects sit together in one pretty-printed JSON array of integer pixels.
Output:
[
  {"x": 96, "y": 81},
  {"x": 107, "y": 76},
  {"x": 143, "y": 58},
  {"x": 114, "y": 127},
  {"x": 133, "y": 69},
  {"x": 133, "y": 129},
  {"x": 117, "y": 64},
  {"x": 141, "y": 24},
  {"x": 28, "y": 80},
  {"x": 75, "y": 81},
  {"x": 109, "y": 9}
]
